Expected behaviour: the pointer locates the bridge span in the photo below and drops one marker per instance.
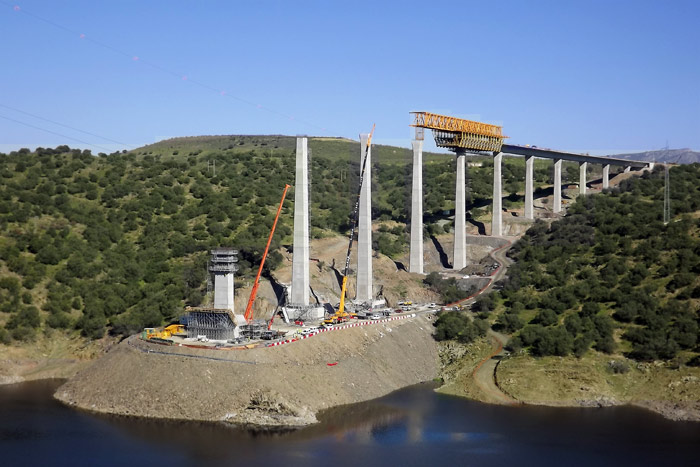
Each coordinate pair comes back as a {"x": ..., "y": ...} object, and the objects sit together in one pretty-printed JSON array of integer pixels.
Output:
[{"x": 467, "y": 137}]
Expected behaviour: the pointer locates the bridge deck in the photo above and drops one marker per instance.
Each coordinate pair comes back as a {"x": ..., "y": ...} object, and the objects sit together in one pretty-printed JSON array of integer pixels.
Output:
[{"x": 569, "y": 156}]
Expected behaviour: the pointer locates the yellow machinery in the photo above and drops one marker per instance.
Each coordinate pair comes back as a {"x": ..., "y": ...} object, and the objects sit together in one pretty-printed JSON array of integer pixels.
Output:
[
  {"x": 341, "y": 315},
  {"x": 167, "y": 333},
  {"x": 457, "y": 133}
]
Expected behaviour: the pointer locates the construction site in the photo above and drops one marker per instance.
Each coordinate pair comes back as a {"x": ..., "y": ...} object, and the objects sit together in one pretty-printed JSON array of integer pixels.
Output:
[
  {"x": 331, "y": 342},
  {"x": 299, "y": 311}
]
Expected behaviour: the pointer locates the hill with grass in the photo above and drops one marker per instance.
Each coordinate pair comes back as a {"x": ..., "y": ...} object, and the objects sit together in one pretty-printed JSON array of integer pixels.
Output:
[
  {"x": 668, "y": 156},
  {"x": 610, "y": 276},
  {"x": 116, "y": 242}
]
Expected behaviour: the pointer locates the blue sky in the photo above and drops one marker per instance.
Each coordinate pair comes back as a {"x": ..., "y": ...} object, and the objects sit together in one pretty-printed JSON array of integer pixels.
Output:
[{"x": 596, "y": 76}]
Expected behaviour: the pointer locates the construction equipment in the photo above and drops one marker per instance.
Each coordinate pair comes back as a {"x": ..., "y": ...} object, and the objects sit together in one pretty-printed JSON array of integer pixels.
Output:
[
  {"x": 167, "y": 333},
  {"x": 249, "y": 309},
  {"x": 340, "y": 315},
  {"x": 457, "y": 133}
]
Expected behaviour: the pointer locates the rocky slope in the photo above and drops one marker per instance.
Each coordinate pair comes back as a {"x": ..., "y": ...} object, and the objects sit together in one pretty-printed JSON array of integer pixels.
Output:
[{"x": 281, "y": 386}]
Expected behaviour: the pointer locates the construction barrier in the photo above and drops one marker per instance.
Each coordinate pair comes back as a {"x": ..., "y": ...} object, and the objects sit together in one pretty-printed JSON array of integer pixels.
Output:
[{"x": 338, "y": 328}]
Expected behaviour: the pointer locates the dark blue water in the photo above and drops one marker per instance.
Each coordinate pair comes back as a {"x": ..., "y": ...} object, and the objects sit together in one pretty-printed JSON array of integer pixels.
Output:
[{"x": 414, "y": 426}]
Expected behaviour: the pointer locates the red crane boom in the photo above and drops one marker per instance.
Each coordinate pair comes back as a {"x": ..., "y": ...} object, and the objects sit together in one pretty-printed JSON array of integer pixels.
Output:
[{"x": 249, "y": 309}]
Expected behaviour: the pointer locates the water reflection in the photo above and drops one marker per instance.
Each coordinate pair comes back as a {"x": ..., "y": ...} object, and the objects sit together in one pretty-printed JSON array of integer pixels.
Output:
[{"x": 414, "y": 426}]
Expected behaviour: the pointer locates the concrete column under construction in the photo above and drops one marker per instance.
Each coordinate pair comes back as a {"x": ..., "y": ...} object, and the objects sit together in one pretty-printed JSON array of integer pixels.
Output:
[
  {"x": 459, "y": 258},
  {"x": 496, "y": 209},
  {"x": 364, "y": 227},
  {"x": 606, "y": 176},
  {"x": 300, "y": 260},
  {"x": 529, "y": 202},
  {"x": 582, "y": 166},
  {"x": 222, "y": 265},
  {"x": 415, "y": 263},
  {"x": 557, "y": 185}
]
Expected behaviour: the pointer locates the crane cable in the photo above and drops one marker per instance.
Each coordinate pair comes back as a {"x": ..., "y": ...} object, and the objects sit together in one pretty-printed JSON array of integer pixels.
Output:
[{"x": 341, "y": 307}]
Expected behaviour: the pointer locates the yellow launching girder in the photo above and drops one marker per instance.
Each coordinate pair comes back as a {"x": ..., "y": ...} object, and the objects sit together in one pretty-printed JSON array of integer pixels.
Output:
[{"x": 452, "y": 132}]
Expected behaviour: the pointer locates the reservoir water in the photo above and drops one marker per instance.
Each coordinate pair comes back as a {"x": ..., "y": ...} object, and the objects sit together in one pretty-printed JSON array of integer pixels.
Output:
[{"x": 413, "y": 426}]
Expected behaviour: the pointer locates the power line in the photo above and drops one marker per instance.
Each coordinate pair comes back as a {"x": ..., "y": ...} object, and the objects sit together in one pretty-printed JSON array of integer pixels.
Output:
[
  {"x": 162, "y": 69},
  {"x": 66, "y": 126},
  {"x": 54, "y": 133}
]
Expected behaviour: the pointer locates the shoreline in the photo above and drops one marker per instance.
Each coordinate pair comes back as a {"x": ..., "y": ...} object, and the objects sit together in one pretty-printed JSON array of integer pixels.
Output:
[
  {"x": 271, "y": 407},
  {"x": 569, "y": 382}
]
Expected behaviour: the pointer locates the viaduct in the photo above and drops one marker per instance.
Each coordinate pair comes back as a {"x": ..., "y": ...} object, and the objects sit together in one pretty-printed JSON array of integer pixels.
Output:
[
  {"x": 468, "y": 137},
  {"x": 459, "y": 136}
]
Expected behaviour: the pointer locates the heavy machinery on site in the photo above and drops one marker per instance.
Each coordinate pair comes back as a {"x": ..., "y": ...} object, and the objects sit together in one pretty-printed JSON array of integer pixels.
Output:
[
  {"x": 341, "y": 315},
  {"x": 166, "y": 333},
  {"x": 251, "y": 329}
]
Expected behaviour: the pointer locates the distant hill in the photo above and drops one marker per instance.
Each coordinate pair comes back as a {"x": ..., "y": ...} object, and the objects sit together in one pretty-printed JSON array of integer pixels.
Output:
[
  {"x": 330, "y": 148},
  {"x": 673, "y": 156}
]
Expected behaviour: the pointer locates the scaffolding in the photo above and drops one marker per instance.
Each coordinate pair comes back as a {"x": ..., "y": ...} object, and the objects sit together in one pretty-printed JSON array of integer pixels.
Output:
[
  {"x": 254, "y": 330},
  {"x": 214, "y": 323}
]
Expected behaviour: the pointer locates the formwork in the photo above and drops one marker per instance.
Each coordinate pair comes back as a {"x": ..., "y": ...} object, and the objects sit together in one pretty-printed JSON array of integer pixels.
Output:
[{"x": 216, "y": 324}]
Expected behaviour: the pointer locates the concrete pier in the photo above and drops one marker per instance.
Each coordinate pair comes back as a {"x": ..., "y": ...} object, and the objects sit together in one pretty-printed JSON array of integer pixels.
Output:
[
  {"x": 606, "y": 176},
  {"x": 222, "y": 265},
  {"x": 459, "y": 258},
  {"x": 364, "y": 235},
  {"x": 582, "y": 166},
  {"x": 557, "y": 185},
  {"x": 415, "y": 263},
  {"x": 300, "y": 260},
  {"x": 496, "y": 206},
  {"x": 529, "y": 201}
]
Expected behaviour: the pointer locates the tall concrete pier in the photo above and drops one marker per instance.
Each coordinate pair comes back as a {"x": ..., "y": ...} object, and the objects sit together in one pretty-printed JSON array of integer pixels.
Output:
[
  {"x": 496, "y": 207},
  {"x": 364, "y": 226},
  {"x": 557, "y": 185},
  {"x": 459, "y": 258},
  {"x": 300, "y": 259},
  {"x": 582, "y": 166},
  {"x": 529, "y": 201},
  {"x": 222, "y": 265},
  {"x": 606, "y": 176},
  {"x": 415, "y": 263}
]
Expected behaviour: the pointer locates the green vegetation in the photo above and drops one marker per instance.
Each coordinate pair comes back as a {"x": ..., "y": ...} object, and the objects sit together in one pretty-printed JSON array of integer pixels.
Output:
[
  {"x": 460, "y": 327},
  {"x": 118, "y": 242},
  {"x": 447, "y": 288},
  {"x": 610, "y": 275}
]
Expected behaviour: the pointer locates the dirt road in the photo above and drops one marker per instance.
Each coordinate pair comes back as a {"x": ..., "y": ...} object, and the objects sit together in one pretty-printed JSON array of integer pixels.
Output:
[{"x": 484, "y": 373}]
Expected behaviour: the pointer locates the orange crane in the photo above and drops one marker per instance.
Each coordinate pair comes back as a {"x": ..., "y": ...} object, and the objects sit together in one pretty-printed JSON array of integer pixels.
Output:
[
  {"x": 341, "y": 315},
  {"x": 249, "y": 309}
]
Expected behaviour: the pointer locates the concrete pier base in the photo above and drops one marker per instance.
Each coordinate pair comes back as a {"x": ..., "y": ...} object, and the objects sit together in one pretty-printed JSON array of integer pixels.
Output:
[
  {"x": 459, "y": 258},
  {"x": 582, "y": 166},
  {"x": 497, "y": 205},
  {"x": 557, "y": 185},
  {"x": 415, "y": 263},
  {"x": 606, "y": 176},
  {"x": 529, "y": 196},
  {"x": 364, "y": 235},
  {"x": 299, "y": 295}
]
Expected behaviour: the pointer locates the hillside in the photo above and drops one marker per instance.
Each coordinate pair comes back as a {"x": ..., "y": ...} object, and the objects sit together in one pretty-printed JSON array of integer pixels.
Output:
[
  {"x": 282, "y": 386},
  {"x": 671, "y": 156},
  {"x": 610, "y": 275},
  {"x": 117, "y": 242}
]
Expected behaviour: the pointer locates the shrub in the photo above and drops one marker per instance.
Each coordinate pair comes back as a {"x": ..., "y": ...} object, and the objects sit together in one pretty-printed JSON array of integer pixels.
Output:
[{"x": 618, "y": 367}]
